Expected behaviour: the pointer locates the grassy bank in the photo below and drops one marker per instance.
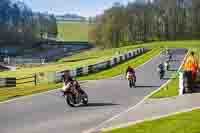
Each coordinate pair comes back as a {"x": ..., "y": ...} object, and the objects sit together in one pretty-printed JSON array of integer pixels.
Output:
[
  {"x": 188, "y": 122},
  {"x": 73, "y": 31}
]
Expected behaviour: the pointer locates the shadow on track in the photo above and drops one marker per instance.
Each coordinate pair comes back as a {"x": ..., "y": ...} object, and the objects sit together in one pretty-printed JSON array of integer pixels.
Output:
[
  {"x": 168, "y": 78},
  {"x": 143, "y": 86},
  {"x": 173, "y": 70},
  {"x": 99, "y": 104}
]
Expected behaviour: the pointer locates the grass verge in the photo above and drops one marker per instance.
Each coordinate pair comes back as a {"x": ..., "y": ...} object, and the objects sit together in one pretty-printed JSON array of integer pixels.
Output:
[
  {"x": 24, "y": 90},
  {"x": 169, "y": 90},
  {"x": 188, "y": 122}
]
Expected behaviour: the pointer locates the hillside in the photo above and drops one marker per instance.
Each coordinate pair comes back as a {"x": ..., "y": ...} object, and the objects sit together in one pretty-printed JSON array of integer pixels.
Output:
[{"x": 73, "y": 31}]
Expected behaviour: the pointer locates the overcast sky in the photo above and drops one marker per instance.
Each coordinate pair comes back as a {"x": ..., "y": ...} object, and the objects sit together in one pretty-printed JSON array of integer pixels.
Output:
[{"x": 81, "y": 7}]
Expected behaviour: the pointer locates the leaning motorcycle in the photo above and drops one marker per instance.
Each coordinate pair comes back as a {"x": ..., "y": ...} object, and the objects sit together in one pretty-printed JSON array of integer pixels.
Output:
[
  {"x": 132, "y": 79},
  {"x": 76, "y": 99}
]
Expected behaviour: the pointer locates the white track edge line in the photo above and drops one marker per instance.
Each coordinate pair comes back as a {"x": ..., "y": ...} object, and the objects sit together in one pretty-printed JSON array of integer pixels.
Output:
[{"x": 148, "y": 119}]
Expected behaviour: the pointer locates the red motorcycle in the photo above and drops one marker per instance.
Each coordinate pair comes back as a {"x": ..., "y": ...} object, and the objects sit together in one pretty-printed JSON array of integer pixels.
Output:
[{"x": 132, "y": 79}]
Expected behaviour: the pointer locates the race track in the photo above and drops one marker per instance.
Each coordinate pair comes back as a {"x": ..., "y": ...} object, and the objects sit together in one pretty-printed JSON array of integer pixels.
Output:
[{"x": 48, "y": 112}]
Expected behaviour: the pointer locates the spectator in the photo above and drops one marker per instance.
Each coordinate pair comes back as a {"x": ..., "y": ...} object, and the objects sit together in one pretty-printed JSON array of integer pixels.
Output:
[{"x": 191, "y": 65}]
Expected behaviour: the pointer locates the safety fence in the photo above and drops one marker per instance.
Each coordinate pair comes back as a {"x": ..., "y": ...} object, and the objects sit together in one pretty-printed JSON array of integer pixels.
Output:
[{"x": 56, "y": 77}]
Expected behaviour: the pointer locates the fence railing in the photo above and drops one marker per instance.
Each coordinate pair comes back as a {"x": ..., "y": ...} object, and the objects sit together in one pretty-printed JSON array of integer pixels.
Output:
[
  {"x": 26, "y": 80},
  {"x": 7, "y": 82},
  {"x": 55, "y": 77}
]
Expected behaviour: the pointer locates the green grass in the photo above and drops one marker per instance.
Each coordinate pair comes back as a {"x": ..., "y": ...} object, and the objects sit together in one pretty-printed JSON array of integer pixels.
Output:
[
  {"x": 168, "y": 91},
  {"x": 188, "y": 122},
  {"x": 23, "y": 90},
  {"x": 73, "y": 31}
]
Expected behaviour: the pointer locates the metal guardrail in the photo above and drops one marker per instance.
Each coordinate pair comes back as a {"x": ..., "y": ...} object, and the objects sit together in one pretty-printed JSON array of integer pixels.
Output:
[{"x": 7, "y": 82}]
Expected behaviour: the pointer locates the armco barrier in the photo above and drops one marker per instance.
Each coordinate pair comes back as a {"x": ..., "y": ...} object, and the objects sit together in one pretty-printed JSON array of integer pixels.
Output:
[
  {"x": 107, "y": 64},
  {"x": 97, "y": 67},
  {"x": 7, "y": 82}
]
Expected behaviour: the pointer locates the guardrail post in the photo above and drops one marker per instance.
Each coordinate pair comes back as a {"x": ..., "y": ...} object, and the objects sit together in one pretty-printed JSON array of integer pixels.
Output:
[{"x": 35, "y": 79}]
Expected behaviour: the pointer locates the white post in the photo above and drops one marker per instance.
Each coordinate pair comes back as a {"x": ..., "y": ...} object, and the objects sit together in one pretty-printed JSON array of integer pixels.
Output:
[
  {"x": 85, "y": 70},
  {"x": 72, "y": 73},
  {"x": 181, "y": 87},
  {"x": 123, "y": 57},
  {"x": 118, "y": 59}
]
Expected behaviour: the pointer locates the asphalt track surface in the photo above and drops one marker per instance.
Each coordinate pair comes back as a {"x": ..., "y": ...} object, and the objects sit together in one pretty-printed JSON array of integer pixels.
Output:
[{"x": 49, "y": 113}]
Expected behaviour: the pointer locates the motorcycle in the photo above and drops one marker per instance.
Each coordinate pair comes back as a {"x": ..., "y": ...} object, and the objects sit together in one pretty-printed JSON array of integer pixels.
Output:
[
  {"x": 161, "y": 73},
  {"x": 132, "y": 80},
  {"x": 75, "y": 99}
]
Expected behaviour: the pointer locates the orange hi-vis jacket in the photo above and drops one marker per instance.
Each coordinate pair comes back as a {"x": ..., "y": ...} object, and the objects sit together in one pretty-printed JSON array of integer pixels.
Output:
[{"x": 191, "y": 64}]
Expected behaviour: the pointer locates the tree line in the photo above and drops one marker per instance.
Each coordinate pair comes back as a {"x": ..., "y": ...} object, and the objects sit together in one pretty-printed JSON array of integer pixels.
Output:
[
  {"x": 19, "y": 24},
  {"x": 149, "y": 21}
]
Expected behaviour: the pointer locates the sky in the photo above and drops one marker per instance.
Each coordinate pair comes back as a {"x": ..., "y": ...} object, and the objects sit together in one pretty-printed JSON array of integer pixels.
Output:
[{"x": 84, "y": 8}]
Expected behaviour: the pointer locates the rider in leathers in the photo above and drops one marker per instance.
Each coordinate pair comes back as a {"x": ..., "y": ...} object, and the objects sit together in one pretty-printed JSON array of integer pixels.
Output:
[{"x": 70, "y": 85}]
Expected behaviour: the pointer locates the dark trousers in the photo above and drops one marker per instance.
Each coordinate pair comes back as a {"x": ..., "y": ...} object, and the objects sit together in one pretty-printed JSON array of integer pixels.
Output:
[{"x": 188, "y": 80}]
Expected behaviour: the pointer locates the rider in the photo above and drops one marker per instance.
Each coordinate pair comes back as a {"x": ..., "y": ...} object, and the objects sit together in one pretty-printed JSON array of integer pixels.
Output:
[
  {"x": 169, "y": 54},
  {"x": 130, "y": 70},
  {"x": 161, "y": 67},
  {"x": 67, "y": 82}
]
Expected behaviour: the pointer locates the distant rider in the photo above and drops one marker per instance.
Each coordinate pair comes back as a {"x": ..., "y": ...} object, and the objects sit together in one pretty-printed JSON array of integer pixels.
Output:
[
  {"x": 161, "y": 68},
  {"x": 130, "y": 70}
]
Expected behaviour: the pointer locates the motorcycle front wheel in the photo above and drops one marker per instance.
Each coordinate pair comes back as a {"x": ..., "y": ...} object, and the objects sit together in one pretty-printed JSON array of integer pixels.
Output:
[
  {"x": 85, "y": 98},
  {"x": 71, "y": 100}
]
